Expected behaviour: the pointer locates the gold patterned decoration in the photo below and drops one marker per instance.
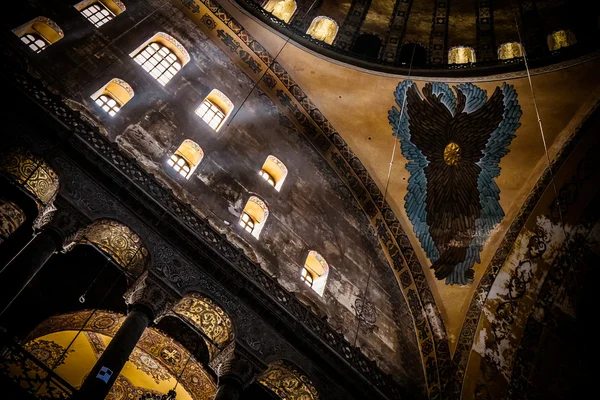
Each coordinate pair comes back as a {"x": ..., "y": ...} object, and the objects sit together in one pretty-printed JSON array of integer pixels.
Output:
[
  {"x": 510, "y": 50},
  {"x": 288, "y": 382},
  {"x": 559, "y": 39},
  {"x": 11, "y": 217},
  {"x": 156, "y": 354},
  {"x": 32, "y": 172},
  {"x": 207, "y": 317},
  {"x": 452, "y": 154},
  {"x": 323, "y": 28},
  {"x": 50, "y": 353},
  {"x": 121, "y": 243},
  {"x": 461, "y": 55}
]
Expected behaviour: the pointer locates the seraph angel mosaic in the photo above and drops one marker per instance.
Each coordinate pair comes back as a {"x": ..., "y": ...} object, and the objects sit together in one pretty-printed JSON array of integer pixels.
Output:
[{"x": 453, "y": 144}]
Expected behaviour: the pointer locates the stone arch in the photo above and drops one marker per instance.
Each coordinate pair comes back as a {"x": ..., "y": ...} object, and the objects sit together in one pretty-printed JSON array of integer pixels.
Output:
[
  {"x": 32, "y": 173},
  {"x": 288, "y": 381},
  {"x": 119, "y": 242},
  {"x": 209, "y": 318}
]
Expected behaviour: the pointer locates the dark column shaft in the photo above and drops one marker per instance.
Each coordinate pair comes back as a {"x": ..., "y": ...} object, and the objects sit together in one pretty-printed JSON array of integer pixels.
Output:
[
  {"x": 229, "y": 389},
  {"x": 15, "y": 243},
  {"x": 24, "y": 266},
  {"x": 102, "y": 376}
]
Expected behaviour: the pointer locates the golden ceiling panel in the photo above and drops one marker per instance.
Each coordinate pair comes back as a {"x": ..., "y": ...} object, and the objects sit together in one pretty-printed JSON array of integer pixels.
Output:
[
  {"x": 206, "y": 316},
  {"x": 32, "y": 172},
  {"x": 121, "y": 243},
  {"x": 288, "y": 382}
]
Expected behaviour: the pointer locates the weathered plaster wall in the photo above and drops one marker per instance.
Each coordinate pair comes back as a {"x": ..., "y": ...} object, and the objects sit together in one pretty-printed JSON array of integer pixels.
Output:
[
  {"x": 525, "y": 345},
  {"x": 314, "y": 210}
]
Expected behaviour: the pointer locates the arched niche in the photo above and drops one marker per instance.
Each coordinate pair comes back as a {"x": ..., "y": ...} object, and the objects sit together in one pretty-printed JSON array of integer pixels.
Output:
[
  {"x": 412, "y": 53},
  {"x": 282, "y": 9},
  {"x": 208, "y": 318},
  {"x": 288, "y": 381},
  {"x": 116, "y": 89},
  {"x": 367, "y": 45},
  {"x": 32, "y": 173},
  {"x": 119, "y": 242}
]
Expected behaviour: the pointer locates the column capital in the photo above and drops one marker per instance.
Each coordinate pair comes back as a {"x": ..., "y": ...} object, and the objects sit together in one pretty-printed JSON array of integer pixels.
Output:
[
  {"x": 147, "y": 292},
  {"x": 61, "y": 218},
  {"x": 232, "y": 364}
]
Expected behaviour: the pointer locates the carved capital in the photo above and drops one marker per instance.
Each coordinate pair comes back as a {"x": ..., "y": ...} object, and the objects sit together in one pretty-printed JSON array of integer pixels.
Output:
[
  {"x": 147, "y": 292},
  {"x": 62, "y": 218},
  {"x": 232, "y": 364}
]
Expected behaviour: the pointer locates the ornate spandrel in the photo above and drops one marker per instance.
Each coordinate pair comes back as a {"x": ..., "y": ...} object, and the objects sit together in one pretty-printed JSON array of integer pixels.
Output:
[
  {"x": 288, "y": 382},
  {"x": 32, "y": 173}
]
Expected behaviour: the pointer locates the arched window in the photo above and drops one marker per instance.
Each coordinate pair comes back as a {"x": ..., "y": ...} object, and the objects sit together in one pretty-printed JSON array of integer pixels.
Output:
[
  {"x": 11, "y": 217},
  {"x": 414, "y": 53},
  {"x": 274, "y": 172},
  {"x": 161, "y": 56},
  {"x": 510, "y": 50},
  {"x": 323, "y": 28},
  {"x": 254, "y": 216},
  {"x": 461, "y": 55},
  {"x": 39, "y": 33},
  {"x": 99, "y": 12},
  {"x": 367, "y": 45},
  {"x": 315, "y": 272},
  {"x": 186, "y": 158},
  {"x": 560, "y": 39},
  {"x": 215, "y": 109},
  {"x": 112, "y": 96},
  {"x": 282, "y": 9}
]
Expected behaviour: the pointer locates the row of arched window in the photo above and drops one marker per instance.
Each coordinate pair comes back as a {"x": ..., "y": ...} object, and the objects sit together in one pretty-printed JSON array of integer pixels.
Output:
[
  {"x": 162, "y": 56},
  {"x": 507, "y": 51}
]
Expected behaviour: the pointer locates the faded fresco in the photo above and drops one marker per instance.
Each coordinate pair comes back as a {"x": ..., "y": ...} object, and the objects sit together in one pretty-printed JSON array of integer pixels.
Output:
[{"x": 454, "y": 143}]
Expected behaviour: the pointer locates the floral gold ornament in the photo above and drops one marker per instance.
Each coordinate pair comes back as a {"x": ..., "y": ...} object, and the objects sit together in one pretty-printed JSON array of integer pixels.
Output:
[
  {"x": 121, "y": 243},
  {"x": 32, "y": 172},
  {"x": 208, "y": 317},
  {"x": 288, "y": 382}
]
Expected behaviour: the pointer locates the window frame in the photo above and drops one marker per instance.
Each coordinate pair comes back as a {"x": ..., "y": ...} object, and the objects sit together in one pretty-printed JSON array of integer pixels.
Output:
[
  {"x": 267, "y": 177},
  {"x": 174, "y": 162},
  {"x": 215, "y": 109},
  {"x": 171, "y": 67},
  {"x": 245, "y": 223},
  {"x": 110, "y": 107},
  {"x": 33, "y": 42},
  {"x": 305, "y": 275},
  {"x": 101, "y": 8}
]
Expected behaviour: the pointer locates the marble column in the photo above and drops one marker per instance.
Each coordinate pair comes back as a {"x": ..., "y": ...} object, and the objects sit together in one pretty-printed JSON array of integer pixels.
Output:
[{"x": 147, "y": 301}]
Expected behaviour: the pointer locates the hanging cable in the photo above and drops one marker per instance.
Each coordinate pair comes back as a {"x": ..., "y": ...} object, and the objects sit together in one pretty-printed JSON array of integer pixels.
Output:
[
  {"x": 387, "y": 183},
  {"x": 541, "y": 127}
]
